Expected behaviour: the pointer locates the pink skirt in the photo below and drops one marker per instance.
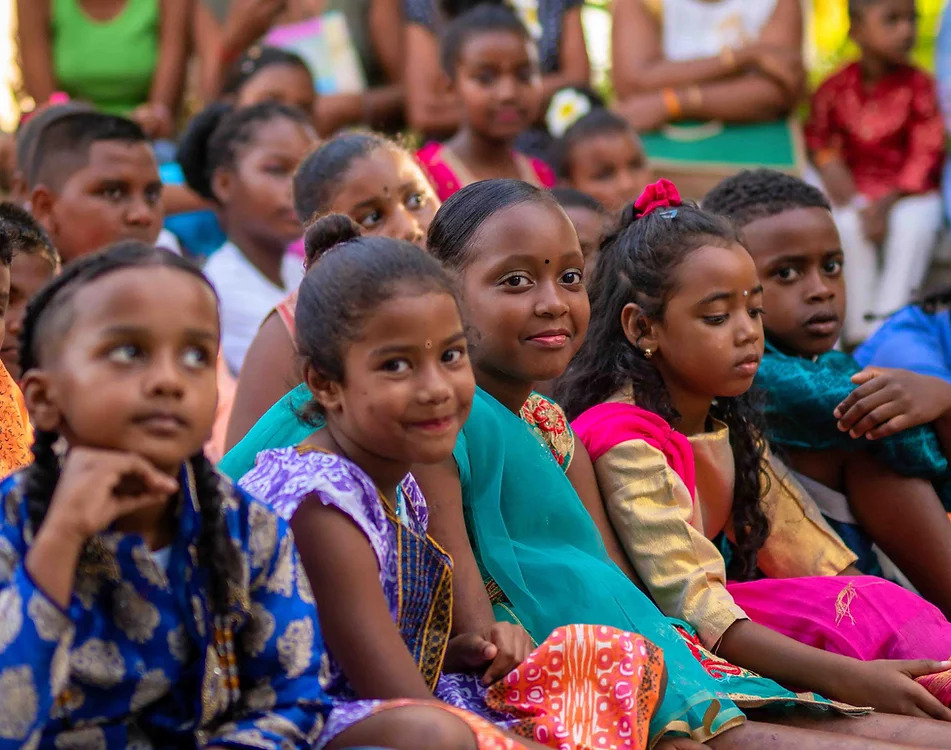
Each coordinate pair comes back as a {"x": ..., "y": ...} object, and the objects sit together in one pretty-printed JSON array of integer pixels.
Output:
[{"x": 863, "y": 617}]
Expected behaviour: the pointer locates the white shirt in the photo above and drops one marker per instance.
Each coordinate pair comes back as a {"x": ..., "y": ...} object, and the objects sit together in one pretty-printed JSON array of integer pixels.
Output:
[
  {"x": 695, "y": 29},
  {"x": 247, "y": 296}
]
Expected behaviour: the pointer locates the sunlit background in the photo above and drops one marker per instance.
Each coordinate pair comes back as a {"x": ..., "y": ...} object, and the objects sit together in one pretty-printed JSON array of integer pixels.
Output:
[{"x": 827, "y": 45}]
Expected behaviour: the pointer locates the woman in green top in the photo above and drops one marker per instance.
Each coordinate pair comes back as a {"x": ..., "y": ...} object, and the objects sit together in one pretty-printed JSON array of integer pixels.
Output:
[{"x": 126, "y": 57}]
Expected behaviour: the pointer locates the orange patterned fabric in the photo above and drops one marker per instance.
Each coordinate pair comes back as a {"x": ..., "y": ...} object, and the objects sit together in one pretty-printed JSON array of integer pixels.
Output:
[
  {"x": 16, "y": 434},
  {"x": 939, "y": 685},
  {"x": 587, "y": 687}
]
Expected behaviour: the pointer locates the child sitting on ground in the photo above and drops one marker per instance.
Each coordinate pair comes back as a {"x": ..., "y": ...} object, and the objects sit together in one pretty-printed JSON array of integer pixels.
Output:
[
  {"x": 876, "y": 136},
  {"x": 492, "y": 62},
  {"x": 819, "y": 406},
  {"x": 601, "y": 155}
]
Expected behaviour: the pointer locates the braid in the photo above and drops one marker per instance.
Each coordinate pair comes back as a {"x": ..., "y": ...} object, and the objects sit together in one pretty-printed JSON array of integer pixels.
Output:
[
  {"x": 216, "y": 553},
  {"x": 40, "y": 477},
  {"x": 760, "y": 193}
]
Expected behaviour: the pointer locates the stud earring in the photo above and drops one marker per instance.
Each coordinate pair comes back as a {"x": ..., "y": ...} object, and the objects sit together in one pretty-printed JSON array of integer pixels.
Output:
[{"x": 648, "y": 353}]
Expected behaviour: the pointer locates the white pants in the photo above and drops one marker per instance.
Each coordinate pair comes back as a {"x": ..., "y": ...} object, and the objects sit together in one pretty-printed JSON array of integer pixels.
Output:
[{"x": 879, "y": 281}]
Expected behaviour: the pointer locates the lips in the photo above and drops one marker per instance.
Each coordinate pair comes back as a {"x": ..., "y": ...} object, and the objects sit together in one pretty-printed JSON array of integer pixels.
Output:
[
  {"x": 825, "y": 323},
  {"x": 554, "y": 338},
  {"x": 508, "y": 116},
  {"x": 437, "y": 425},
  {"x": 748, "y": 365},
  {"x": 161, "y": 422}
]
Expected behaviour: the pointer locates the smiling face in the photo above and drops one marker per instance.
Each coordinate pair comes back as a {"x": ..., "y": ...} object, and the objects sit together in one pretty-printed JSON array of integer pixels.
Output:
[
  {"x": 499, "y": 82},
  {"x": 257, "y": 192},
  {"x": 407, "y": 385},
  {"x": 611, "y": 167},
  {"x": 386, "y": 193},
  {"x": 524, "y": 296},
  {"x": 710, "y": 340},
  {"x": 799, "y": 258},
  {"x": 143, "y": 341},
  {"x": 115, "y": 196}
]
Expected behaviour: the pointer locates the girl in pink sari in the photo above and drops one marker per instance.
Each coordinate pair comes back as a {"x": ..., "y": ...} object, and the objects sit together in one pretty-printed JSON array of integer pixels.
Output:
[
  {"x": 492, "y": 63},
  {"x": 659, "y": 397}
]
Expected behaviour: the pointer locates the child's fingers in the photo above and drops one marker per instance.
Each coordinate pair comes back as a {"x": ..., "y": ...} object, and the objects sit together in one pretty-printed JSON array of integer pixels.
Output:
[
  {"x": 923, "y": 667},
  {"x": 893, "y": 426},
  {"x": 864, "y": 376},
  {"x": 931, "y": 705},
  {"x": 863, "y": 391},
  {"x": 500, "y": 666},
  {"x": 862, "y": 408},
  {"x": 126, "y": 505},
  {"x": 875, "y": 419},
  {"x": 152, "y": 479}
]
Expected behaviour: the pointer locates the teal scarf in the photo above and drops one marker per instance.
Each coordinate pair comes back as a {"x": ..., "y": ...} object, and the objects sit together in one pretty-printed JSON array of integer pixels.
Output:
[{"x": 801, "y": 395}]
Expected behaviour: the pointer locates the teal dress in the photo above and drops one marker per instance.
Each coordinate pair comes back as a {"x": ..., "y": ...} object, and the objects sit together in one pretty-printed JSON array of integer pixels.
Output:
[{"x": 545, "y": 564}]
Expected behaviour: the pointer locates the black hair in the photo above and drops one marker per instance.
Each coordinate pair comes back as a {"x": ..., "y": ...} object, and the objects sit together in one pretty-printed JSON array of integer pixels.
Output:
[
  {"x": 215, "y": 135},
  {"x": 62, "y": 146},
  {"x": 215, "y": 552},
  {"x": 352, "y": 276},
  {"x": 638, "y": 263},
  {"x": 464, "y": 212},
  {"x": 483, "y": 18},
  {"x": 760, "y": 193},
  {"x": 254, "y": 61},
  {"x": 571, "y": 198},
  {"x": 599, "y": 121},
  {"x": 451, "y": 9},
  {"x": 320, "y": 175},
  {"x": 29, "y": 131},
  {"x": 21, "y": 233}
]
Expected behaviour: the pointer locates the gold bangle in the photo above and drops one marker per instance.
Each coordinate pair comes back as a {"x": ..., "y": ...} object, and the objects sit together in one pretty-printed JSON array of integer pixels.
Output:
[
  {"x": 672, "y": 103},
  {"x": 825, "y": 156},
  {"x": 728, "y": 57}
]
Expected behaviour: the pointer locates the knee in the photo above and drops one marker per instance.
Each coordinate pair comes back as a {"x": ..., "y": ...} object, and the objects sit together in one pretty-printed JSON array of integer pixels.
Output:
[{"x": 428, "y": 728}]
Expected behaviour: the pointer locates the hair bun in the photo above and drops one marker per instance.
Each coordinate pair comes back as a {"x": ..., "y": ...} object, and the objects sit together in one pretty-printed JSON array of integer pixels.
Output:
[{"x": 328, "y": 232}]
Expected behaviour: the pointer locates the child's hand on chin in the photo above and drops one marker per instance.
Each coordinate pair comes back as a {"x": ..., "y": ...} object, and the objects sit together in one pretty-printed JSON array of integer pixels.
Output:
[
  {"x": 503, "y": 647},
  {"x": 97, "y": 487},
  {"x": 888, "y": 401}
]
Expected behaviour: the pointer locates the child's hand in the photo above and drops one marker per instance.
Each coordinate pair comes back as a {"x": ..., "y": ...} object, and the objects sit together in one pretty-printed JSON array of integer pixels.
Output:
[
  {"x": 98, "y": 486},
  {"x": 503, "y": 647},
  {"x": 890, "y": 686},
  {"x": 838, "y": 182},
  {"x": 154, "y": 119},
  {"x": 874, "y": 219},
  {"x": 888, "y": 401}
]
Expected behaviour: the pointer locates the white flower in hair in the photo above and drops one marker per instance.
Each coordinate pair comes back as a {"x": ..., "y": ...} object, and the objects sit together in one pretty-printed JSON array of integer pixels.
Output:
[
  {"x": 567, "y": 106},
  {"x": 527, "y": 12}
]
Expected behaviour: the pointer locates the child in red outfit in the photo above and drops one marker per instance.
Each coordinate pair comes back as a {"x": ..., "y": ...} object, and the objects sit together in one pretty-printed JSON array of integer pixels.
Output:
[{"x": 876, "y": 137}]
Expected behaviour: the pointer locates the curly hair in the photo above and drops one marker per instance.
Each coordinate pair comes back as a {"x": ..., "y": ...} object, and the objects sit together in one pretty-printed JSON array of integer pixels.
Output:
[
  {"x": 760, "y": 193},
  {"x": 46, "y": 319},
  {"x": 638, "y": 263}
]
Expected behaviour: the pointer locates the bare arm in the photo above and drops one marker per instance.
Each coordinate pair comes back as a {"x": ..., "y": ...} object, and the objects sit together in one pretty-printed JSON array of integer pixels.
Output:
[
  {"x": 354, "y": 616},
  {"x": 268, "y": 373},
  {"x": 430, "y": 106},
  {"x": 583, "y": 479},
  {"x": 471, "y": 609},
  {"x": 170, "y": 70},
  {"x": 33, "y": 24}
]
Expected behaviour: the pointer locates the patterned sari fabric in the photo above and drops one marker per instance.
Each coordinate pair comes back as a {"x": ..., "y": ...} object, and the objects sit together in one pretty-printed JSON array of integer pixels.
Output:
[
  {"x": 138, "y": 659},
  {"x": 593, "y": 688},
  {"x": 16, "y": 434}
]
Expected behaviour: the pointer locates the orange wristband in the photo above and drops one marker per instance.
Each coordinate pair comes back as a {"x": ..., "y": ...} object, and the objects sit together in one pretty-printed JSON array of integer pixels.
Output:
[
  {"x": 672, "y": 103},
  {"x": 825, "y": 156}
]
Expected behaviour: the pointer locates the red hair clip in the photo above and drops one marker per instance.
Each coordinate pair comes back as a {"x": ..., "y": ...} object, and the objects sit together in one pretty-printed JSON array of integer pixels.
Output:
[{"x": 662, "y": 194}]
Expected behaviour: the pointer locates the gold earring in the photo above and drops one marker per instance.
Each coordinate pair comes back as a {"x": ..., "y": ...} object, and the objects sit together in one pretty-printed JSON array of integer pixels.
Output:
[{"x": 648, "y": 354}]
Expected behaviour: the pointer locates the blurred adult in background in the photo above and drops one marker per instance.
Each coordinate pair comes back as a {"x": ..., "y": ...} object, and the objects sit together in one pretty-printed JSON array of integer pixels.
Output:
[
  {"x": 125, "y": 57},
  {"x": 369, "y": 36}
]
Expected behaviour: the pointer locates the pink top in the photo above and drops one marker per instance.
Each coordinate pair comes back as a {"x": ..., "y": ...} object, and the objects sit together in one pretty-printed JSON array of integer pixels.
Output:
[{"x": 449, "y": 174}]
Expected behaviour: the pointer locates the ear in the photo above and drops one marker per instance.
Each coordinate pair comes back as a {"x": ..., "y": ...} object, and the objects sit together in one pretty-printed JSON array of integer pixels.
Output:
[
  {"x": 222, "y": 184},
  {"x": 328, "y": 393},
  {"x": 638, "y": 329},
  {"x": 41, "y": 401},
  {"x": 42, "y": 201}
]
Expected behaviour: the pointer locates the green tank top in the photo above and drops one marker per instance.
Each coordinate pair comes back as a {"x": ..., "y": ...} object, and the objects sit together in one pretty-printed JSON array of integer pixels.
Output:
[{"x": 107, "y": 63}]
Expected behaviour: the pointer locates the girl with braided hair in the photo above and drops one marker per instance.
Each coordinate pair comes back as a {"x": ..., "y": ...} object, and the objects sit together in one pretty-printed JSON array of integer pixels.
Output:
[
  {"x": 144, "y": 600},
  {"x": 660, "y": 398}
]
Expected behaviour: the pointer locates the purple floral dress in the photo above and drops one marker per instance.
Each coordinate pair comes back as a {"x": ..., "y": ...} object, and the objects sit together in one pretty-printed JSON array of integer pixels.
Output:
[{"x": 408, "y": 561}]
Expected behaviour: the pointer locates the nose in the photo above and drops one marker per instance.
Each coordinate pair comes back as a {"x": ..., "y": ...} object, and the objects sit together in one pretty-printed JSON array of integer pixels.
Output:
[
  {"x": 550, "y": 301},
  {"x": 164, "y": 377},
  {"x": 749, "y": 329},
  {"x": 507, "y": 88},
  {"x": 406, "y": 227},
  {"x": 434, "y": 387},
  {"x": 141, "y": 212},
  {"x": 818, "y": 290}
]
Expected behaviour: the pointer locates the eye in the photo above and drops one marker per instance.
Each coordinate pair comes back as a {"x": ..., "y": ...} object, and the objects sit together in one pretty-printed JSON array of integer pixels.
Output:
[
  {"x": 525, "y": 74},
  {"x": 196, "y": 357},
  {"x": 715, "y": 320},
  {"x": 415, "y": 201},
  {"x": 454, "y": 356},
  {"x": 485, "y": 77},
  {"x": 832, "y": 267},
  {"x": 572, "y": 277},
  {"x": 517, "y": 281},
  {"x": 113, "y": 194},
  {"x": 372, "y": 219},
  {"x": 787, "y": 274},
  {"x": 153, "y": 195},
  {"x": 757, "y": 312},
  {"x": 396, "y": 366},
  {"x": 125, "y": 354}
]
